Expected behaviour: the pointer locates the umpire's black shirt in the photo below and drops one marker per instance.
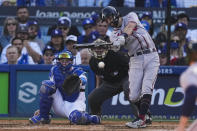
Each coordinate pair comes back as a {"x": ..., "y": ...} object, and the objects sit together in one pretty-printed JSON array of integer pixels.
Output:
[{"x": 116, "y": 66}]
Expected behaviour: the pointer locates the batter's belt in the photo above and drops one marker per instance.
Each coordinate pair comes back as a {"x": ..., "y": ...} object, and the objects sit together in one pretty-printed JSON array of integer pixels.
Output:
[{"x": 146, "y": 51}]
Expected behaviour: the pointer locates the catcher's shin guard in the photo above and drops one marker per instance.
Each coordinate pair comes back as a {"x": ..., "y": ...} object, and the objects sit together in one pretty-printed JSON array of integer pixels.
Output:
[{"x": 46, "y": 90}]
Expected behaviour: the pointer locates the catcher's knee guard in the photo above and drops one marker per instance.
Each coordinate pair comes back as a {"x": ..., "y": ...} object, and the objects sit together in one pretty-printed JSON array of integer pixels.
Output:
[
  {"x": 83, "y": 118},
  {"x": 46, "y": 90}
]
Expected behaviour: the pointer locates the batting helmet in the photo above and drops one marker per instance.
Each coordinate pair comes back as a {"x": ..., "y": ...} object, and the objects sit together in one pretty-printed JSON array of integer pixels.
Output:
[{"x": 110, "y": 12}]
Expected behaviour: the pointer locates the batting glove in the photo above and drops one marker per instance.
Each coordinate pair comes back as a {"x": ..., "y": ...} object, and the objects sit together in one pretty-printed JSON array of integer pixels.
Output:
[
  {"x": 121, "y": 40},
  {"x": 118, "y": 43}
]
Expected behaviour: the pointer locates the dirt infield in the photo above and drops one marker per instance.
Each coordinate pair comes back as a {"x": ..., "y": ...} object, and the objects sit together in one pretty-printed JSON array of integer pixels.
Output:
[{"x": 64, "y": 125}]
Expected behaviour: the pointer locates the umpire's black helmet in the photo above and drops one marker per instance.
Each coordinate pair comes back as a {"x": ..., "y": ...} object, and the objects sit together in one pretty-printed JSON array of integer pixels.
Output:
[{"x": 110, "y": 12}]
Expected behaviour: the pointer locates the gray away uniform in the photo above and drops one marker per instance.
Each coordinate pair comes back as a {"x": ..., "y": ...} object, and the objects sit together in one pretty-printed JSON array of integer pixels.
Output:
[{"x": 144, "y": 59}]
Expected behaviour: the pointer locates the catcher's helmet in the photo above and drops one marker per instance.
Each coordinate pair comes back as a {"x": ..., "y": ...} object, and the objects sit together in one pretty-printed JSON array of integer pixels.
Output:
[
  {"x": 65, "y": 60},
  {"x": 65, "y": 55},
  {"x": 110, "y": 12}
]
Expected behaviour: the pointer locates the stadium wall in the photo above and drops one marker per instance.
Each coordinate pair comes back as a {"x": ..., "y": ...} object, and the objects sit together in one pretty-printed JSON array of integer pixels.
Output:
[
  {"x": 21, "y": 98},
  {"x": 20, "y": 85}
]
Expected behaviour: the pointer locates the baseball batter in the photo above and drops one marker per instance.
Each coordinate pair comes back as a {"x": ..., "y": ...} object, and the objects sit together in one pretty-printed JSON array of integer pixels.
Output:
[
  {"x": 144, "y": 59},
  {"x": 189, "y": 83},
  {"x": 52, "y": 95}
]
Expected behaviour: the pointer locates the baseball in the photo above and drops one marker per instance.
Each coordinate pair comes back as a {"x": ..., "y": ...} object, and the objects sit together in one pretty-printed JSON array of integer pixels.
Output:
[{"x": 101, "y": 64}]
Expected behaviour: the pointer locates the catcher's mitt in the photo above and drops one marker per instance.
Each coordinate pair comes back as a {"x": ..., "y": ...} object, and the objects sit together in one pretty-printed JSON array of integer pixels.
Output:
[{"x": 71, "y": 84}]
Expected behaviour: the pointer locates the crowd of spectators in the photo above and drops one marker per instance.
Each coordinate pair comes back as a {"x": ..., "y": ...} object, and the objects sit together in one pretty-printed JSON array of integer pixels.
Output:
[
  {"x": 181, "y": 38},
  {"x": 21, "y": 42},
  {"x": 100, "y": 3}
]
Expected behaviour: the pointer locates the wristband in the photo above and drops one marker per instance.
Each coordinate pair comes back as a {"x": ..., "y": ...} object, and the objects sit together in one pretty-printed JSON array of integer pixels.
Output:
[{"x": 125, "y": 35}]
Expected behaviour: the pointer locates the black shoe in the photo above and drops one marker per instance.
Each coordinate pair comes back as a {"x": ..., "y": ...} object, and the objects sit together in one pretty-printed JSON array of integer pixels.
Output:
[{"x": 148, "y": 118}]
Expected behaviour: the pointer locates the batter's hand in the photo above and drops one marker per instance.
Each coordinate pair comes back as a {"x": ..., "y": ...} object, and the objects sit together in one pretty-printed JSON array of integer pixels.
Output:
[
  {"x": 118, "y": 43},
  {"x": 115, "y": 46},
  {"x": 129, "y": 28},
  {"x": 121, "y": 40}
]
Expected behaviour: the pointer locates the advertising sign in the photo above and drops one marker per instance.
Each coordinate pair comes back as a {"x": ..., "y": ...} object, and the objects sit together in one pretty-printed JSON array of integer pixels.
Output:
[
  {"x": 28, "y": 85},
  {"x": 166, "y": 103},
  {"x": 4, "y": 86},
  {"x": 49, "y": 15}
]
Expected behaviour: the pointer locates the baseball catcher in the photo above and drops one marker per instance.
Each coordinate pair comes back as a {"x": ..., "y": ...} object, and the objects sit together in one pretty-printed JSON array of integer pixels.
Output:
[{"x": 64, "y": 93}]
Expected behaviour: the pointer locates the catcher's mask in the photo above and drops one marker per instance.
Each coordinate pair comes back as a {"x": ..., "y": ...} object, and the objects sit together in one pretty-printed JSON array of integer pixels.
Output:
[
  {"x": 65, "y": 59},
  {"x": 65, "y": 55},
  {"x": 100, "y": 49},
  {"x": 110, "y": 15}
]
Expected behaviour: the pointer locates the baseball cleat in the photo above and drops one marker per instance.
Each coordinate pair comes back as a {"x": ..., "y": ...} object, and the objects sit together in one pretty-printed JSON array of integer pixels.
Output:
[
  {"x": 95, "y": 119},
  {"x": 36, "y": 119},
  {"x": 137, "y": 123}
]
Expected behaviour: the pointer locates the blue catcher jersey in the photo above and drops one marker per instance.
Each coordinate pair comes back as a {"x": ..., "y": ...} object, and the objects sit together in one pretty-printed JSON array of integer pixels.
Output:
[{"x": 58, "y": 76}]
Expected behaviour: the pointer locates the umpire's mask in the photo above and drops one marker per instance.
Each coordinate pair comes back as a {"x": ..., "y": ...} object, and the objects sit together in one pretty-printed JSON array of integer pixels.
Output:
[
  {"x": 100, "y": 49},
  {"x": 99, "y": 52}
]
